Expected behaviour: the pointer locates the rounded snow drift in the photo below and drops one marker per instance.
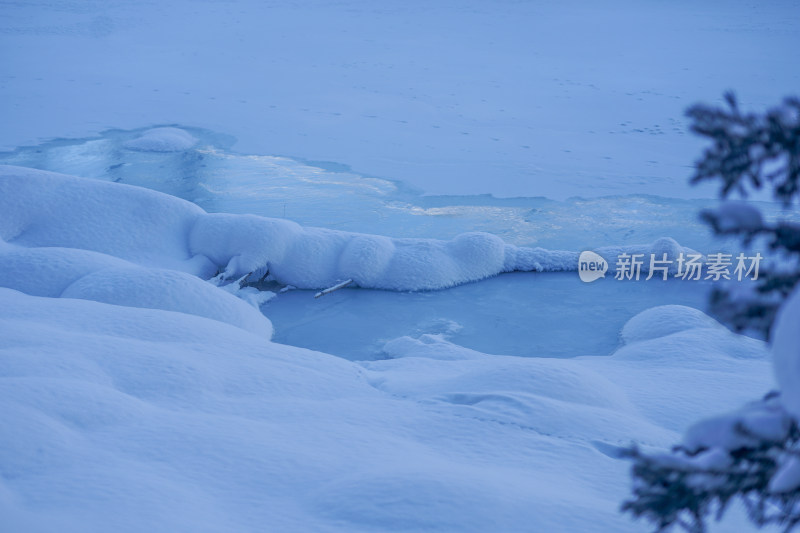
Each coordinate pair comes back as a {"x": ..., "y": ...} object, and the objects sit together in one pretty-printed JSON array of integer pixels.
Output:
[{"x": 665, "y": 320}]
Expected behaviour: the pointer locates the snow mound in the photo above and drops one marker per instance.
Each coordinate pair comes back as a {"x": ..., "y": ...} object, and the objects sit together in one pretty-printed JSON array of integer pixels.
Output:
[
  {"x": 162, "y": 140},
  {"x": 664, "y": 378},
  {"x": 676, "y": 335},
  {"x": 127, "y": 415},
  {"x": 49, "y": 271},
  {"x": 553, "y": 378},
  {"x": 318, "y": 258},
  {"x": 169, "y": 290},
  {"x": 124, "y": 415},
  {"x": 699, "y": 348},
  {"x": 43, "y": 209},
  {"x": 152, "y": 229},
  {"x": 74, "y": 273},
  {"x": 665, "y": 320},
  {"x": 429, "y": 346}
]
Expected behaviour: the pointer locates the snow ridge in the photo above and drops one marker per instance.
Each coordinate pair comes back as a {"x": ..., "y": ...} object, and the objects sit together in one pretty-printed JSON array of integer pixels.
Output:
[{"x": 155, "y": 230}]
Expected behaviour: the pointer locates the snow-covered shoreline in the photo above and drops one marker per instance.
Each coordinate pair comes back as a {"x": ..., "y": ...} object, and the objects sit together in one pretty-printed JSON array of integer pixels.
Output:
[
  {"x": 180, "y": 167},
  {"x": 139, "y": 396},
  {"x": 157, "y": 230}
]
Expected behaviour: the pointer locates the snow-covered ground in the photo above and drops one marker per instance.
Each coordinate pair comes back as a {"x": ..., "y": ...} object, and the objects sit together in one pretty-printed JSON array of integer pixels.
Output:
[
  {"x": 501, "y": 315},
  {"x": 140, "y": 397},
  {"x": 452, "y": 158}
]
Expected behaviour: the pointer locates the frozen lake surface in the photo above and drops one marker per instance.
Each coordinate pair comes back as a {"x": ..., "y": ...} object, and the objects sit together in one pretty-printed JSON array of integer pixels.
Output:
[
  {"x": 525, "y": 314},
  {"x": 528, "y": 314},
  {"x": 552, "y": 99},
  {"x": 330, "y": 195}
]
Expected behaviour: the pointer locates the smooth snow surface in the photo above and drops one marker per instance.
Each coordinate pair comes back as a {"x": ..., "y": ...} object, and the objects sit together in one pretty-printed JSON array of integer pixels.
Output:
[
  {"x": 73, "y": 273},
  {"x": 664, "y": 320},
  {"x": 501, "y": 316},
  {"x": 410, "y": 146},
  {"x": 144, "y": 398},
  {"x": 40, "y": 208},
  {"x": 324, "y": 194},
  {"x": 131, "y": 419},
  {"x": 551, "y": 99}
]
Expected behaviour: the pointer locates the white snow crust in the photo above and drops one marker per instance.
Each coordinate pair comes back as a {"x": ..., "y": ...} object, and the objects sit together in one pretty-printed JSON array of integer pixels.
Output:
[
  {"x": 137, "y": 396},
  {"x": 157, "y": 230}
]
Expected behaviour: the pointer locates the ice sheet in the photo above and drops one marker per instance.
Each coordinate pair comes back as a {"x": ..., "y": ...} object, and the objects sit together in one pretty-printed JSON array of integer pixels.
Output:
[
  {"x": 525, "y": 314},
  {"x": 550, "y": 99}
]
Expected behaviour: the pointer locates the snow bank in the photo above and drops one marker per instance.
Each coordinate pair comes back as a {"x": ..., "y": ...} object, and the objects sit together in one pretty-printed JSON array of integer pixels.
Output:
[
  {"x": 665, "y": 320},
  {"x": 428, "y": 346},
  {"x": 663, "y": 373},
  {"x": 72, "y": 273},
  {"x": 679, "y": 335},
  {"x": 139, "y": 396},
  {"x": 318, "y": 258},
  {"x": 43, "y": 209},
  {"x": 168, "y": 290},
  {"x": 162, "y": 140},
  {"x": 123, "y": 418},
  {"x": 156, "y": 230}
]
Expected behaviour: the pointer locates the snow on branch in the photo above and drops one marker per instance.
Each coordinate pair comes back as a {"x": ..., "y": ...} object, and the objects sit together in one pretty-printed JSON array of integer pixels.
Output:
[{"x": 336, "y": 287}]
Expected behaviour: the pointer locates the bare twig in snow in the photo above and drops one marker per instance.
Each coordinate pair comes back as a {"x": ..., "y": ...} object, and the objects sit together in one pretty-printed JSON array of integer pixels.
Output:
[{"x": 336, "y": 287}]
